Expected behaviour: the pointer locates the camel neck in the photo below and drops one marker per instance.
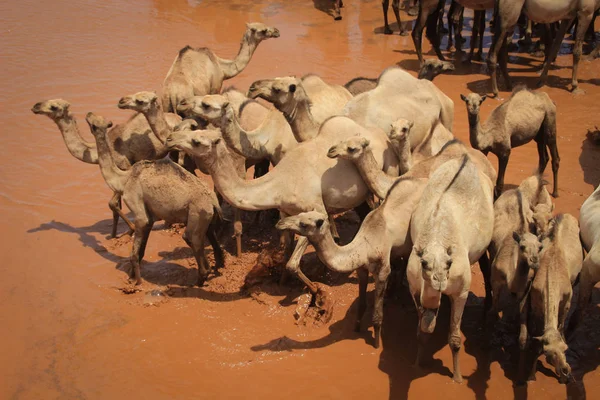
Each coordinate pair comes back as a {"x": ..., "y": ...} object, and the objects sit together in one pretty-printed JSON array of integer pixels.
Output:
[
  {"x": 114, "y": 176},
  {"x": 402, "y": 150},
  {"x": 298, "y": 115},
  {"x": 158, "y": 122},
  {"x": 476, "y": 136},
  {"x": 247, "y": 144},
  {"x": 254, "y": 195},
  {"x": 79, "y": 148},
  {"x": 378, "y": 181},
  {"x": 233, "y": 67},
  {"x": 346, "y": 258}
]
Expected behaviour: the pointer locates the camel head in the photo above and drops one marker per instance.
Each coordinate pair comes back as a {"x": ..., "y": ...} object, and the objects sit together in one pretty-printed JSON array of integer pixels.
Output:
[
  {"x": 257, "y": 32},
  {"x": 279, "y": 91},
  {"x": 98, "y": 125},
  {"x": 349, "y": 149},
  {"x": 473, "y": 101},
  {"x": 542, "y": 219},
  {"x": 188, "y": 124},
  {"x": 554, "y": 349},
  {"x": 201, "y": 143},
  {"x": 400, "y": 130},
  {"x": 55, "y": 109},
  {"x": 307, "y": 224},
  {"x": 529, "y": 248},
  {"x": 433, "y": 67},
  {"x": 140, "y": 102},
  {"x": 436, "y": 261},
  {"x": 210, "y": 107}
]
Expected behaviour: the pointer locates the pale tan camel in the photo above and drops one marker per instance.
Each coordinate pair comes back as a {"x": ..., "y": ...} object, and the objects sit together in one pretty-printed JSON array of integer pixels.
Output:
[
  {"x": 451, "y": 229},
  {"x": 429, "y": 13},
  {"x": 543, "y": 11},
  {"x": 400, "y": 95},
  {"x": 357, "y": 149},
  {"x": 305, "y": 179},
  {"x": 197, "y": 72},
  {"x": 389, "y": 223},
  {"x": 589, "y": 221},
  {"x": 525, "y": 116},
  {"x": 399, "y": 137},
  {"x": 550, "y": 296},
  {"x": 272, "y": 139},
  {"x": 305, "y": 102},
  {"x": 160, "y": 190},
  {"x": 129, "y": 142},
  {"x": 431, "y": 68}
]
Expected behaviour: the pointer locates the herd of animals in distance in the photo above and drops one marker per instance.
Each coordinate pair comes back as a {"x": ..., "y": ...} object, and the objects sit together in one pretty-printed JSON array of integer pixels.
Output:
[{"x": 383, "y": 147}]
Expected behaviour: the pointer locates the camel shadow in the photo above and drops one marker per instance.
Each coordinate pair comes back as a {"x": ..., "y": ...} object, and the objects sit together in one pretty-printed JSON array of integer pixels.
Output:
[
  {"x": 589, "y": 159},
  {"x": 325, "y": 6}
]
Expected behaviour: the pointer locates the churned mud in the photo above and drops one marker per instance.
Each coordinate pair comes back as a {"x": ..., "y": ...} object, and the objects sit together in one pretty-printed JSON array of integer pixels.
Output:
[{"x": 69, "y": 330}]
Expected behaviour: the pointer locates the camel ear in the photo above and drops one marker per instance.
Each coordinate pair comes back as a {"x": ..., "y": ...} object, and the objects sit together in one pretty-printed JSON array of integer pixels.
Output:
[
  {"x": 365, "y": 143},
  {"x": 483, "y": 98},
  {"x": 225, "y": 104},
  {"x": 516, "y": 237},
  {"x": 552, "y": 208},
  {"x": 463, "y": 97},
  {"x": 292, "y": 88},
  {"x": 216, "y": 141},
  {"x": 410, "y": 124},
  {"x": 418, "y": 251},
  {"x": 449, "y": 250},
  {"x": 109, "y": 125}
]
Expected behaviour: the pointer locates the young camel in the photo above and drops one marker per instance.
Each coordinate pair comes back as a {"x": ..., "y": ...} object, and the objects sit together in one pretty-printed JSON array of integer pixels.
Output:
[
  {"x": 305, "y": 102},
  {"x": 525, "y": 116},
  {"x": 129, "y": 142},
  {"x": 589, "y": 220},
  {"x": 160, "y": 190},
  {"x": 272, "y": 139},
  {"x": 304, "y": 180},
  {"x": 543, "y": 11},
  {"x": 389, "y": 223},
  {"x": 550, "y": 296},
  {"x": 197, "y": 72}
]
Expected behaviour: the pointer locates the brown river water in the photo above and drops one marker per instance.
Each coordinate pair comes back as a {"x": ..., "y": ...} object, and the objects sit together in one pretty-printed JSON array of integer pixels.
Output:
[{"x": 66, "y": 329}]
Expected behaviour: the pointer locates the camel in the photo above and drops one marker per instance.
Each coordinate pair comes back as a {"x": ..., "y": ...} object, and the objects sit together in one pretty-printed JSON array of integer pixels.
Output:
[
  {"x": 357, "y": 150},
  {"x": 429, "y": 13},
  {"x": 451, "y": 229},
  {"x": 199, "y": 71},
  {"x": 389, "y": 223},
  {"x": 305, "y": 102},
  {"x": 526, "y": 115},
  {"x": 431, "y": 68},
  {"x": 160, "y": 190},
  {"x": 550, "y": 295},
  {"x": 400, "y": 95},
  {"x": 321, "y": 184},
  {"x": 129, "y": 142},
  {"x": 514, "y": 249},
  {"x": 589, "y": 221},
  {"x": 543, "y": 11},
  {"x": 396, "y": 7},
  {"x": 400, "y": 140},
  {"x": 272, "y": 139}
]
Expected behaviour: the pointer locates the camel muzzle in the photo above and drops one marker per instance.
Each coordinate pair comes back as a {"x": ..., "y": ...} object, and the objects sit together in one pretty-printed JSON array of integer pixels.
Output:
[
  {"x": 123, "y": 103},
  {"x": 332, "y": 153},
  {"x": 37, "y": 108}
]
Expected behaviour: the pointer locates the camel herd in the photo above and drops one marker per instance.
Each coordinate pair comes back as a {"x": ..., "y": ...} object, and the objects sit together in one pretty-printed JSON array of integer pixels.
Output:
[{"x": 430, "y": 205}]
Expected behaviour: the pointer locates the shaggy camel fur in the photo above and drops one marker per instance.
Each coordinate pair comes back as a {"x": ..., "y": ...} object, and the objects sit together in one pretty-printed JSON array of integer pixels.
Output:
[
  {"x": 550, "y": 296},
  {"x": 272, "y": 139},
  {"x": 305, "y": 102},
  {"x": 451, "y": 229},
  {"x": 525, "y": 116},
  {"x": 128, "y": 143},
  {"x": 160, "y": 190},
  {"x": 400, "y": 140},
  {"x": 431, "y": 68},
  {"x": 320, "y": 184},
  {"x": 358, "y": 150},
  {"x": 514, "y": 249},
  {"x": 389, "y": 223},
  {"x": 542, "y": 11},
  {"x": 197, "y": 72},
  {"x": 400, "y": 95},
  {"x": 589, "y": 220},
  {"x": 429, "y": 13}
]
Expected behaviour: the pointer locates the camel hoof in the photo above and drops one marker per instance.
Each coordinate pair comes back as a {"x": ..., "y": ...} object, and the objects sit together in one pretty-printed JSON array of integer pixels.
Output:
[
  {"x": 413, "y": 11},
  {"x": 337, "y": 17},
  {"x": 403, "y": 33},
  {"x": 457, "y": 378},
  {"x": 578, "y": 92},
  {"x": 555, "y": 195},
  {"x": 387, "y": 31}
]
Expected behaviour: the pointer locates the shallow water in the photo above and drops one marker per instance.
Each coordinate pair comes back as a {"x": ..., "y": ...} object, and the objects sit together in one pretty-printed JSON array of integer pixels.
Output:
[{"x": 68, "y": 332}]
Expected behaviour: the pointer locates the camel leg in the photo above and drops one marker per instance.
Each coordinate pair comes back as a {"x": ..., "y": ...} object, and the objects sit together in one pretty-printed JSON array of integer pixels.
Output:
[
  {"x": 454, "y": 16},
  {"x": 542, "y": 154},
  {"x": 590, "y": 275},
  {"x": 551, "y": 142},
  {"x": 481, "y": 32},
  {"x": 582, "y": 26},
  {"x": 502, "y": 163},
  {"x": 336, "y": 10},
  {"x": 523, "y": 337},
  {"x": 564, "y": 24},
  {"x": 380, "y": 283},
  {"x": 237, "y": 231},
  {"x": 197, "y": 226},
  {"x": 417, "y": 32},
  {"x": 115, "y": 205},
  {"x": 396, "y": 8},
  {"x": 486, "y": 271},
  {"x": 216, "y": 246},
  {"x": 492, "y": 61},
  {"x": 140, "y": 239},
  {"x": 475, "y": 34},
  {"x": 385, "y": 4},
  {"x": 363, "y": 280},
  {"x": 432, "y": 32},
  {"x": 504, "y": 65},
  {"x": 293, "y": 264},
  {"x": 454, "y": 339},
  {"x": 535, "y": 350},
  {"x": 115, "y": 220}
]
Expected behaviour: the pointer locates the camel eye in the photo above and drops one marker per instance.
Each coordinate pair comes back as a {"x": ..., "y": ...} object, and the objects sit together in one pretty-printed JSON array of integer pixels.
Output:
[
  {"x": 352, "y": 149},
  {"x": 196, "y": 142},
  {"x": 276, "y": 90},
  {"x": 404, "y": 130},
  {"x": 204, "y": 105},
  {"x": 424, "y": 265},
  {"x": 139, "y": 102},
  {"x": 302, "y": 225},
  {"x": 53, "y": 108},
  {"x": 448, "y": 264}
]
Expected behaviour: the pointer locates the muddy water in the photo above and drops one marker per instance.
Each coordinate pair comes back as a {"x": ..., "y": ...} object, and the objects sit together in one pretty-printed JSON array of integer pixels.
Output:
[{"x": 68, "y": 332}]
